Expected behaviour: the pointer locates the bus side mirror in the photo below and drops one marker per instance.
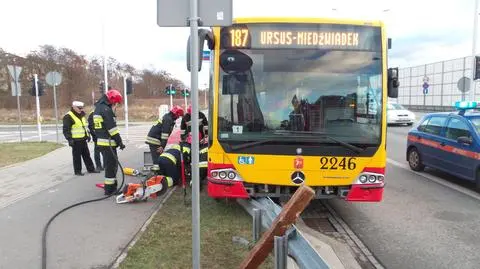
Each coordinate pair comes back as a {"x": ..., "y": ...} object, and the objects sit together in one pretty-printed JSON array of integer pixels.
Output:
[
  {"x": 389, "y": 43},
  {"x": 393, "y": 82},
  {"x": 203, "y": 35}
]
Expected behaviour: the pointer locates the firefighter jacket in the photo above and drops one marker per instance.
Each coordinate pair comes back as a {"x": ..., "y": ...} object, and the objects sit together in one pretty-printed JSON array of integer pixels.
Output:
[
  {"x": 186, "y": 124},
  {"x": 161, "y": 130},
  {"x": 75, "y": 126},
  {"x": 104, "y": 124},
  {"x": 90, "y": 126},
  {"x": 173, "y": 153},
  {"x": 203, "y": 158}
]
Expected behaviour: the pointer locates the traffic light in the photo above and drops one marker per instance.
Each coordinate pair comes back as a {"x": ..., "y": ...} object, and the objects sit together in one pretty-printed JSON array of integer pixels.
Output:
[
  {"x": 129, "y": 86},
  {"x": 477, "y": 68},
  {"x": 41, "y": 88},
  {"x": 185, "y": 92},
  {"x": 170, "y": 90}
]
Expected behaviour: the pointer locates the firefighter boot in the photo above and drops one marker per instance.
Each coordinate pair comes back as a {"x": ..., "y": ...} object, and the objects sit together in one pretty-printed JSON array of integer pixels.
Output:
[{"x": 110, "y": 189}]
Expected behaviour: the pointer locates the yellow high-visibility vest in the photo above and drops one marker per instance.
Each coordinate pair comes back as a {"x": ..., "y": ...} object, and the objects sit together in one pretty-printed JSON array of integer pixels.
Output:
[{"x": 78, "y": 128}]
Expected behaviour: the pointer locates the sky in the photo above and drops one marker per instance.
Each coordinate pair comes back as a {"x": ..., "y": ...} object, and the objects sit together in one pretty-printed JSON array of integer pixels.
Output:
[{"x": 423, "y": 31}]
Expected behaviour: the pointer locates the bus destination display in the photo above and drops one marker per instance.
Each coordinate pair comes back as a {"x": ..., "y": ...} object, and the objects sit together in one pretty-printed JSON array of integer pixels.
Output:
[{"x": 298, "y": 36}]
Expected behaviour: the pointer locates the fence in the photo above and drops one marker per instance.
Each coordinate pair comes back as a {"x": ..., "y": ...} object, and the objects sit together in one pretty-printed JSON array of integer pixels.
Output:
[{"x": 443, "y": 79}]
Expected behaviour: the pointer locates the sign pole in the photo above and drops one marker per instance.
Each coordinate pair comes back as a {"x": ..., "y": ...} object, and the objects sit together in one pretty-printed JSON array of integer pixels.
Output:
[
  {"x": 126, "y": 103},
  {"x": 18, "y": 103},
  {"x": 37, "y": 100},
  {"x": 55, "y": 102},
  {"x": 194, "y": 54}
]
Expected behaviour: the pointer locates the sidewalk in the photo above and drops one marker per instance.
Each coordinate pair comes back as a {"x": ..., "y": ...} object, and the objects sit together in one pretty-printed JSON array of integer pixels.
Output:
[{"x": 88, "y": 236}]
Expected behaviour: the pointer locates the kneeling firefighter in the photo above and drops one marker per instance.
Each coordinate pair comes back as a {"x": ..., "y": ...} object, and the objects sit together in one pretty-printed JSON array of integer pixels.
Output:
[
  {"x": 170, "y": 162},
  {"x": 160, "y": 132},
  {"x": 202, "y": 159},
  {"x": 108, "y": 136}
]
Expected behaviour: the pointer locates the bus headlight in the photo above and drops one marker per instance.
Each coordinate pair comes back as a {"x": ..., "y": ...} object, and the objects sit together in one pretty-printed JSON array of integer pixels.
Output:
[
  {"x": 363, "y": 179},
  {"x": 227, "y": 174},
  {"x": 372, "y": 178}
]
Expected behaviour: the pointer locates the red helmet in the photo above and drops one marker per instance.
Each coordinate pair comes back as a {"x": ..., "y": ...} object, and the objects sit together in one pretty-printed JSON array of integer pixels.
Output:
[
  {"x": 189, "y": 109},
  {"x": 114, "y": 96},
  {"x": 177, "y": 111}
]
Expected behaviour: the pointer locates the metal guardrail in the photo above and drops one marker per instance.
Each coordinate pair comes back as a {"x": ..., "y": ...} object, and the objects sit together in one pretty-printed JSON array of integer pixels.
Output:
[{"x": 299, "y": 248}]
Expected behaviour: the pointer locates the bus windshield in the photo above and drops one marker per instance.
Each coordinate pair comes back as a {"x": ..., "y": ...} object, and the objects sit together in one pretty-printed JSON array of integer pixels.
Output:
[{"x": 293, "y": 95}]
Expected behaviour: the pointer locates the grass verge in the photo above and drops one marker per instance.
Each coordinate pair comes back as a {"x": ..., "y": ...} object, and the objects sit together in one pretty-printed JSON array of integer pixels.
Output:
[
  {"x": 167, "y": 242},
  {"x": 11, "y": 153}
]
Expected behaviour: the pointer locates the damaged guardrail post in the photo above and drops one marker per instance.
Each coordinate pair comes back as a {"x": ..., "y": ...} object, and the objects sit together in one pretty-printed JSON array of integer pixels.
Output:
[
  {"x": 257, "y": 224},
  {"x": 289, "y": 214},
  {"x": 280, "y": 250}
]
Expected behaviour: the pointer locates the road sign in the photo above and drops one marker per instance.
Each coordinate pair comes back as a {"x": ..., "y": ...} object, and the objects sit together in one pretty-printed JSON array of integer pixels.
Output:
[
  {"x": 463, "y": 84},
  {"x": 425, "y": 91},
  {"x": 426, "y": 79},
  {"x": 53, "y": 78},
  {"x": 14, "y": 71},
  {"x": 206, "y": 55},
  {"x": 16, "y": 88},
  {"x": 211, "y": 13}
]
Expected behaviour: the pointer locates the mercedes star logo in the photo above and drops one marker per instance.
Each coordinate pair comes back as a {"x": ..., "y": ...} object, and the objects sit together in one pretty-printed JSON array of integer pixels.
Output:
[{"x": 297, "y": 177}]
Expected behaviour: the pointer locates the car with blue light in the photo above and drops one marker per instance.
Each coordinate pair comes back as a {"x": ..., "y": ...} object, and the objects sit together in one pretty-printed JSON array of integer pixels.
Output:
[{"x": 448, "y": 141}]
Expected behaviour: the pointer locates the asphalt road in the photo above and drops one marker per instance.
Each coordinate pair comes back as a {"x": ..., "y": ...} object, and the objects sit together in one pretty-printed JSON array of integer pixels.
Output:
[{"x": 427, "y": 220}]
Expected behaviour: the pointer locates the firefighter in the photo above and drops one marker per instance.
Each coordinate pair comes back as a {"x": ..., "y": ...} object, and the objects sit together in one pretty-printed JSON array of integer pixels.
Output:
[
  {"x": 108, "y": 136},
  {"x": 160, "y": 131},
  {"x": 75, "y": 132},
  {"x": 170, "y": 162},
  {"x": 97, "y": 154},
  {"x": 185, "y": 125},
  {"x": 202, "y": 160}
]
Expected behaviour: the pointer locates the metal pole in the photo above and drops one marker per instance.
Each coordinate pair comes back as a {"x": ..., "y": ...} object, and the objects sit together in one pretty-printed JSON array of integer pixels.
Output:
[
  {"x": 195, "y": 147},
  {"x": 105, "y": 68},
  {"x": 424, "y": 94},
  {"x": 257, "y": 224},
  {"x": 171, "y": 97},
  {"x": 37, "y": 100},
  {"x": 280, "y": 249},
  {"x": 55, "y": 103},
  {"x": 18, "y": 103},
  {"x": 186, "y": 103},
  {"x": 474, "y": 49},
  {"x": 126, "y": 103}
]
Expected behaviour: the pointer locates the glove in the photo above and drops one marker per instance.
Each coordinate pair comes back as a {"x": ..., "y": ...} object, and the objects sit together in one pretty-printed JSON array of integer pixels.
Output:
[
  {"x": 122, "y": 146},
  {"x": 160, "y": 150},
  {"x": 70, "y": 142},
  {"x": 89, "y": 139}
]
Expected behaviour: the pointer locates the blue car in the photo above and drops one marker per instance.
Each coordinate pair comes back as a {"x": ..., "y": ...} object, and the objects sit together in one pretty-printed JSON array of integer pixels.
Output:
[{"x": 448, "y": 141}]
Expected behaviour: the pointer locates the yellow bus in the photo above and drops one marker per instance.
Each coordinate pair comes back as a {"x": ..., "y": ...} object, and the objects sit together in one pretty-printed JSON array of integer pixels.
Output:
[{"x": 298, "y": 101}]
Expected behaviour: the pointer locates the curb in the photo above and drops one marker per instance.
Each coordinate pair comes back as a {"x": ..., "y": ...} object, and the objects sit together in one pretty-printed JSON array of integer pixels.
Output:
[{"x": 123, "y": 254}]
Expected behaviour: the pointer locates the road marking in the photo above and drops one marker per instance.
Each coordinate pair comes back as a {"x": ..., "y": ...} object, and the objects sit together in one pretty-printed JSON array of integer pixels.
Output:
[{"x": 437, "y": 180}]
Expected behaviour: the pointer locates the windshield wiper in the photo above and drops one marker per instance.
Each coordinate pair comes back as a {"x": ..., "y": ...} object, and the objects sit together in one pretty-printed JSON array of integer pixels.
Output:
[
  {"x": 324, "y": 135},
  {"x": 251, "y": 144}
]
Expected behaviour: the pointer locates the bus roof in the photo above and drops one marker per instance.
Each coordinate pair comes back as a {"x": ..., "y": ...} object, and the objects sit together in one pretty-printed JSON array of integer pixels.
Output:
[{"x": 306, "y": 20}]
